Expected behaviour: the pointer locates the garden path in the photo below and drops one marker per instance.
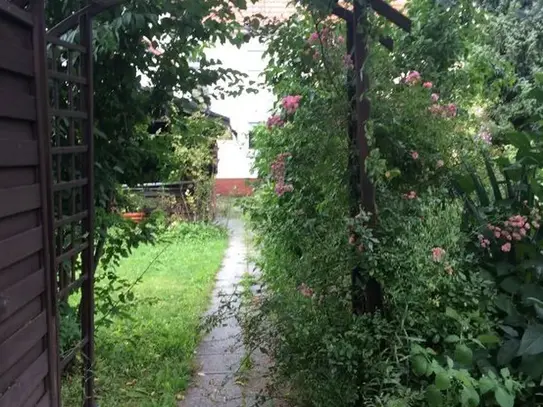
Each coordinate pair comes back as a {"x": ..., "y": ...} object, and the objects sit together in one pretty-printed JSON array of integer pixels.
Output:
[{"x": 221, "y": 352}]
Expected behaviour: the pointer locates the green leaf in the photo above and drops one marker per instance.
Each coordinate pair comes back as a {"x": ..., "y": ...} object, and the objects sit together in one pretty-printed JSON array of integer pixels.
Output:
[
  {"x": 488, "y": 339},
  {"x": 443, "y": 381},
  {"x": 452, "y": 314},
  {"x": 463, "y": 354},
  {"x": 486, "y": 384},
  {"x": 511, "y": 285},
  {"x": 509, "y": 331},
  {"x": 452, "y": 339},
  {"x": 493, "y": 180},
  {"x": 469, "y": 397},
  {"x": 434, "y": 397},
  {"x": 419, "y": 364},
  {"x": 532, "y": 341},
  {"x": 484, "y": 200},
  {"x": 508, "y": 351},
  {"x": 532, "y": 366},
  {"x": 529, "y": 291},
  {"x": 518, "y": 139},
  {"x": 504, "y": 398}
]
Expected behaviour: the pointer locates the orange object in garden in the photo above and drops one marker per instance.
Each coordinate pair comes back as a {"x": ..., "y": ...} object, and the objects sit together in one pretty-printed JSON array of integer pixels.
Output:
[{"x": 134, "y": 216}]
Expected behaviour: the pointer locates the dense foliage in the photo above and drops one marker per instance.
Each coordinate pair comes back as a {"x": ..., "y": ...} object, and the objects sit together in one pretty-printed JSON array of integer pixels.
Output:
[{"x": 459, "y": 326}]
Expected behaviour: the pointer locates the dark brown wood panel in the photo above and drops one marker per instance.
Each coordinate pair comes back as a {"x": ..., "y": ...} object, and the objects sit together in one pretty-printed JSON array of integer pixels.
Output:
[
  {"x": 36, "y": 395},
  {"x": 8, "y": 11},
  {"x": 18, "y": 130},
  {"x": 18, "y": 200},
  {"x": 18, "y": 392},
  {"x": 7, "y": 379},
  {"x": 11, "y": 83},
  {"x": 15, "y": 297},
  {"x": 15, "y": 177},
  {"x": 21, "y": 317},
  {"x": 16, "y": 224},
  {"x": 18, "y": 344},
  {"x": 45, "y": 401},
  {"x": 18, "y": 106},
  {"x": 18, "y": 153},
  {"x": 16, "y": 59},
  {"x": 28, "y": 338},
  {"x": 17, "y": 271},
  {"x": 20, "y": 246}
]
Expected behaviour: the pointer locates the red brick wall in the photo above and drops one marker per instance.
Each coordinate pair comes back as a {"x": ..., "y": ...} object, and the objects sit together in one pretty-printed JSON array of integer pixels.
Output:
[{"x": 233, "y": 186}]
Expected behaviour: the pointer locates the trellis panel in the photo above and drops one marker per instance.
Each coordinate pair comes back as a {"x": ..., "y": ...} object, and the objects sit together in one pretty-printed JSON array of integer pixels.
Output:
[{"x": 69, "y": 71}]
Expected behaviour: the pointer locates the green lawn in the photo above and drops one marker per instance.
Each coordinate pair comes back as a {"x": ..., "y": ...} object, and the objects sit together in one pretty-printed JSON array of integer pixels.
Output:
[{"x": 147, "y": 360}]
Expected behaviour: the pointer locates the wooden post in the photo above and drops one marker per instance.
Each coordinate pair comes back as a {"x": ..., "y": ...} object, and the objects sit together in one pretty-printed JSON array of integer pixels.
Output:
[{"x": 366, "y": 292}]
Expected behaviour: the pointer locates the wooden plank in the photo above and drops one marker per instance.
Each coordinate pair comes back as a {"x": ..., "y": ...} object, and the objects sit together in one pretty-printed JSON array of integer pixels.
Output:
[
  {"x": 19, "y": 199},
  {"x": 71, "y": 219},
  {"x": 19, "y": 319},
  {"x": 8, "y": 378},
  {"x": 20, "y": 246},
  {"x": 18, "y": 106},
  {"x": 16, "y": 59},
  {"x": 16, "y": 296},
  {"x": 391, "y": 14},
  {"x": 62, "y": 186},
  {"x": 71, "y": 253},
  {"x": 66, "y": 291},
  {"x": 64, "y": 44},
  {"x": 45, "y": 401},
  {"x": 72, "y": 114},
  {"x": 13, "y": 225},
  {"x": 16, "y": 13},
  {"x": 15, "y": 177},
  {"x": 67, "y": 78},
  {"x": 31, "y": 377},
  {"x": 69, "y": 150},
  {"x": 35, "y": 396},
  {"x": 18, "y": 153},
  {"x": 13, "y": 348},
  {"x": 73, "y": 353}
]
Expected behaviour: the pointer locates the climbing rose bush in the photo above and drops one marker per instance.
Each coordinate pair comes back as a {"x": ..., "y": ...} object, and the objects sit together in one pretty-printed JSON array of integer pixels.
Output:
[{"x": 309, "y": 237}]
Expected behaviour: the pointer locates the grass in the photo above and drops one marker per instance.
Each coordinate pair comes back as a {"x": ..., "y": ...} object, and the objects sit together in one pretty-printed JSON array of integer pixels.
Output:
[{"x": 146, "y": 361}]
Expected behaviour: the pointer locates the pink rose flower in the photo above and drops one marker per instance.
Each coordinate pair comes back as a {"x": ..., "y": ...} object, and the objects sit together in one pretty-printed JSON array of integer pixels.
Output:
[
  {"x": 414, "y": 155},
  {"x": 437, "y": 254},
  {"x": 305, "y": 290},
  {"x": 291, "y": 103},
  {"x": 410, "y": 195},
  {"x": 412, "y": 77},
  {"x": 451, "y": 110},
  {"x": 275, "y": 121},
  {"x": 434, "y": 97},
  {"x": 427, "y": 85},
  {"x": 313, "y": 38},
  {"x": 506, "y": 247}
]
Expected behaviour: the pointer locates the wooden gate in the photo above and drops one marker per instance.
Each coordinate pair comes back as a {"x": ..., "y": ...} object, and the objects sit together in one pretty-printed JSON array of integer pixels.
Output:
[{"x": 28, "y": 347}]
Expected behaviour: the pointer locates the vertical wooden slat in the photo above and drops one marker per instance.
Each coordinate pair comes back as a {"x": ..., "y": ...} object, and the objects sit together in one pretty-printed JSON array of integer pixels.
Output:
[
  {"x": 45, "y": 176},
  {"x": 88, "y": 197}
]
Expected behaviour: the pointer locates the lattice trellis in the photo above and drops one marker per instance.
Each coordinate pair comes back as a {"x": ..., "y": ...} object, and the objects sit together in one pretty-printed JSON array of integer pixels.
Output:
[{"x": 71, "y": 104}]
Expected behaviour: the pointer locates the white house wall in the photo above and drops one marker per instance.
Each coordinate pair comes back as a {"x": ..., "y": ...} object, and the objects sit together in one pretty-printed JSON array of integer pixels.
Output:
[{"x": 244, "y": 111}]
